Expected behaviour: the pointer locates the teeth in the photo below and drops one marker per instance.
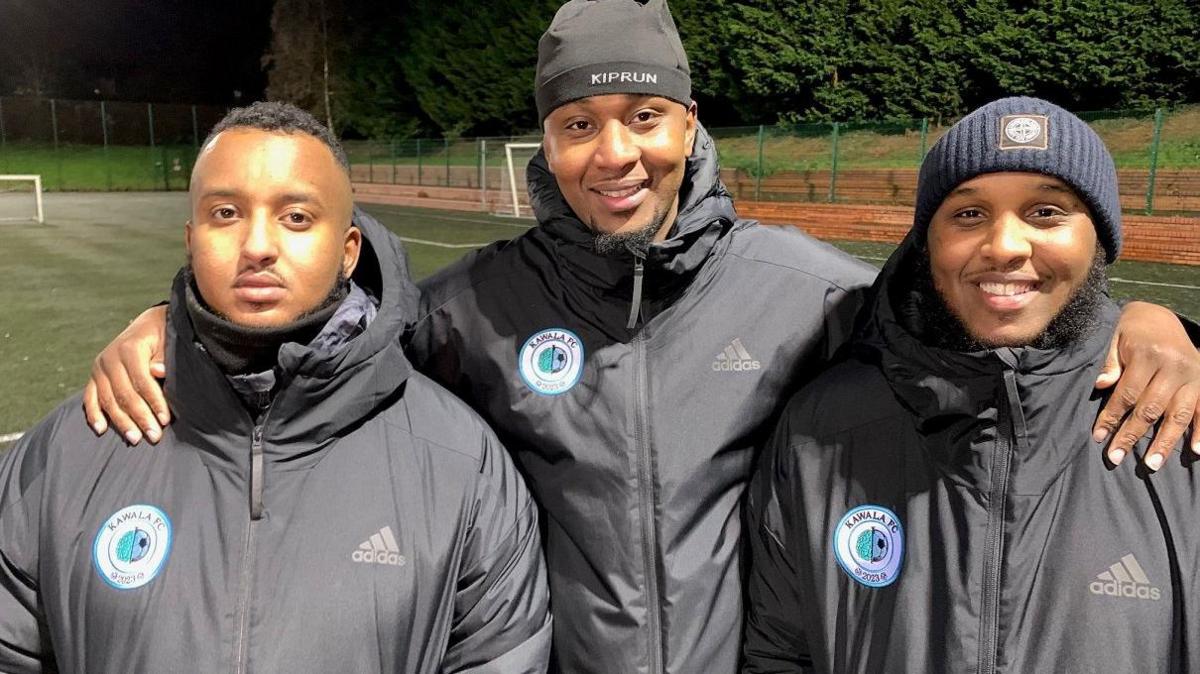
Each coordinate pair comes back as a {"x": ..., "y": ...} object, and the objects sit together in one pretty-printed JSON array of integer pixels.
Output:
[
  {"x": 1006, "y": 289},
  {"x": 617, "y": 194}
]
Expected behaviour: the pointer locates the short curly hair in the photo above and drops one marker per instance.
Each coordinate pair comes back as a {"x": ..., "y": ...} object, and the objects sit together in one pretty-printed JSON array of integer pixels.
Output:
[{"x": 281, "y": 117}]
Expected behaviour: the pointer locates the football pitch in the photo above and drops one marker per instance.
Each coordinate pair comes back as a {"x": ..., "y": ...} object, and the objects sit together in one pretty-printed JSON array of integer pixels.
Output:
[{"x": 68, "y": 286}]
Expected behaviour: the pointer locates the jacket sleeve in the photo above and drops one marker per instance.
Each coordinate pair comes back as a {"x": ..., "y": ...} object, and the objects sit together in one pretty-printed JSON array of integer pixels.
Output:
[
  {"x": 24, "y": 636},
  {"x": 502, "y": 615},
  {"x": 774, "y": 639}
]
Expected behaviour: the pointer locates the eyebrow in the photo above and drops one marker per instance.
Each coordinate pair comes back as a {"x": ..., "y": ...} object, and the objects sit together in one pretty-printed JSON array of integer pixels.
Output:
[
  {"x": 1055, "y": 188},
  {"x": 1050, "y": 187},
  {"x": 286, "y": 197}
]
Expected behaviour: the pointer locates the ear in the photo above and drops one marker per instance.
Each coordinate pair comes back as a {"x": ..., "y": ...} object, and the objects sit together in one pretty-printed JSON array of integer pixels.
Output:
[
  {"x": 547, "y": 147},
  {"x": 352, "y": 246},
  {"x": 187, "y": 236},
  {"x": 690, "y": 137}
]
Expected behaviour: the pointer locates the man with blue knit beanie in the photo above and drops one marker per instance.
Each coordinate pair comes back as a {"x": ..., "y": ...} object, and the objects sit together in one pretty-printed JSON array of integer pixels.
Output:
[{"x": 936, "y": 501}]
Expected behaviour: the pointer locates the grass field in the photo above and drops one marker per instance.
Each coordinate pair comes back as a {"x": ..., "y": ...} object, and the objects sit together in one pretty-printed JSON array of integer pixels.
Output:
[{"x": 67, "y": 287}]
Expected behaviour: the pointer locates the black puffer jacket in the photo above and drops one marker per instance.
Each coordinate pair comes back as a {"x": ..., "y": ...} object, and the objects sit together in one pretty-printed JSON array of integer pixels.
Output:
[
  {"x": 921, "y": 510},
  {"x": 369, "y": 522},
  {"x": 638, "y": 442}
]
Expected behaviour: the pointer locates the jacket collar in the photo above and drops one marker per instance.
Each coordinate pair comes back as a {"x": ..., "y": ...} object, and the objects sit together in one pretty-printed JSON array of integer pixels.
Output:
[
  {"x": 321, "y": 395},
  {"x": 955, "y": 398}
]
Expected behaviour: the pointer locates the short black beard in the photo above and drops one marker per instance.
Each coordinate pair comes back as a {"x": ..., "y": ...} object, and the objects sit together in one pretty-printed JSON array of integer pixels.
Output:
[
  {"x": 639, "y": 239},
  {"x": 926, "y": 314}
]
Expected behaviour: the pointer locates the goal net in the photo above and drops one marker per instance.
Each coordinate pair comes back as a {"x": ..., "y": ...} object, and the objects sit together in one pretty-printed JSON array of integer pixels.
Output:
[
  {"x": 512, "y": 198},
  {"x": 20, "y": 198}
]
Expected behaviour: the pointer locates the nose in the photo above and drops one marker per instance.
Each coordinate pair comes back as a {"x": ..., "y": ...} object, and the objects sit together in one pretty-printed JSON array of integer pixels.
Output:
[
  {"x": 260, "y": 246},
  {"x": 617, "y": 148},
  {"x": 1008, "y": 245}
]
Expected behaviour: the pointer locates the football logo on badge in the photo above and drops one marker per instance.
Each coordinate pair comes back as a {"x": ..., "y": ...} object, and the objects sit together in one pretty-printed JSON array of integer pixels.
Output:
[
  {"x": 551, "y": 361},
  {"x": 1023, "y": 132},
  {"x": 869, "y": 545},
  {"x": 132, "y": 546}
]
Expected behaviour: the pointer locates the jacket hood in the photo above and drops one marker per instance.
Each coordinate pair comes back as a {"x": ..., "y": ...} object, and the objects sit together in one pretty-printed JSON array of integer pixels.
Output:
[
  {"x": 705, "y": 213},
  {"x": 320, "y": 395},
  {"x": 955, "y": 397}
]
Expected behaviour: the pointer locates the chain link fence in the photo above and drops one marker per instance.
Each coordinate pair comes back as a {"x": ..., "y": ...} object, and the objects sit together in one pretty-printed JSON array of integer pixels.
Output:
[{"x": 99, "y": 145}]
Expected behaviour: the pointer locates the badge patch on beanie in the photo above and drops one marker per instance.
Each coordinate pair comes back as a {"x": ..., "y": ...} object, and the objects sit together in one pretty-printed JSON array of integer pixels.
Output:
[{"x": 1029, "y": 132}]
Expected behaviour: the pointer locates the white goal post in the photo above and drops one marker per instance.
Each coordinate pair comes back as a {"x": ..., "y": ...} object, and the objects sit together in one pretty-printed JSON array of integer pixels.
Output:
[
  {"x": 511, "y": 169},
  {"x": 37, "y": 197}
]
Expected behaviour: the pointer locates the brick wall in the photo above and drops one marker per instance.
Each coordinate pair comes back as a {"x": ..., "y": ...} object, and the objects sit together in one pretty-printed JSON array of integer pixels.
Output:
[{"x": 1147, "y": 238}]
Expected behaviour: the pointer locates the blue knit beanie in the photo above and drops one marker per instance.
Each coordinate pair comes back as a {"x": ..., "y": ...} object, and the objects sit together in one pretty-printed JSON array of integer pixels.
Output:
[{"x": 1025, "y": 135}]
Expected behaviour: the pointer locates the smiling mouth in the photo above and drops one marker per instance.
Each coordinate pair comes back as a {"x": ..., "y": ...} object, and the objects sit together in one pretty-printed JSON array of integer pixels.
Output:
[
  {"x": 1009, "y": 289},
  {"x": 623, "y": 192}
]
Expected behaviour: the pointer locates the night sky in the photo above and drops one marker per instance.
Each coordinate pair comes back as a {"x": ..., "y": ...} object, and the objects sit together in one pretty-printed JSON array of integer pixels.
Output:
[{"x": 135, "y": 50}]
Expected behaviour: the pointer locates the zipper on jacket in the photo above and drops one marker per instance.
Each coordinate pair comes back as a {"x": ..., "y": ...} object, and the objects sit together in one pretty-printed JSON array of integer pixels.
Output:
[
  {"x": 256, "y": 510},
  {"x": 646, "y": 505},
  {"x": 1006, "y": 438},
  {"x": 635, "y": 303}
]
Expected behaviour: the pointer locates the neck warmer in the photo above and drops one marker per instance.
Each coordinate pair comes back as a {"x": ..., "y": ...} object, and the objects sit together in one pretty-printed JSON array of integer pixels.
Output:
[{"x": 239, "y": 349}]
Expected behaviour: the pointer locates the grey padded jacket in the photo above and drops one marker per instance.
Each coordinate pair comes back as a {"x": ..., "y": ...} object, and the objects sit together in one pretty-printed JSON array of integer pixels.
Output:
[
  {"x": 925, "y": 510},
  {"x": 368, "y": 522},
  {"x": 638, "y": 442}
]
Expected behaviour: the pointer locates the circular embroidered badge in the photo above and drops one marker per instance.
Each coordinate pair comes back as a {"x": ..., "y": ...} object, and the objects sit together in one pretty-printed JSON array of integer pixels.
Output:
[
  {"x": 869, "y": 545},
  {"x": 551, "y": 361},
  {"x": 1022, "y": 129},
  {"x": 132, "y": 546}
]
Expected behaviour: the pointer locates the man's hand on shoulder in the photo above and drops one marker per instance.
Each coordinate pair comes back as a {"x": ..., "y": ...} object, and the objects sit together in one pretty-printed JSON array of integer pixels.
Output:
[
  {"x": 1156, "y": 372},
  {"x": 124, "y": 388}
]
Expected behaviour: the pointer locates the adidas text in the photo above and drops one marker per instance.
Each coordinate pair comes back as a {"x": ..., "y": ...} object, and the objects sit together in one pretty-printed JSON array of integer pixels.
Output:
[
  {"x": 380, "y": 548},
  {"x": 1131, "y": 590},
  {"x": 724, "y": 365}
]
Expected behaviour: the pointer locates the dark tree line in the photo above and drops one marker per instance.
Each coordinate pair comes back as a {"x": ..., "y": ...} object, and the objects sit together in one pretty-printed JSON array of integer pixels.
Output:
[{"x": 466, "y": 68}]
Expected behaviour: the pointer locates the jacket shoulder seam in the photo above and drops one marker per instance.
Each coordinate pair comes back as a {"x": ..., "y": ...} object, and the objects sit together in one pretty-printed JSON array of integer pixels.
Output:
[
  {"x": 434, "y": 443},
  {"x": 804, "y": 272}
]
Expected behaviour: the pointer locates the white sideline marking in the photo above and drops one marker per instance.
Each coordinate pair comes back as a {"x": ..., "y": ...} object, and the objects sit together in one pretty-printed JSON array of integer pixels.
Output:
[
  {"x": 439, "y": 244},
  {"x": 436, "y": 216},
  {"x": 1154, "y": 283},
  {"x": 11, "y": 437}
]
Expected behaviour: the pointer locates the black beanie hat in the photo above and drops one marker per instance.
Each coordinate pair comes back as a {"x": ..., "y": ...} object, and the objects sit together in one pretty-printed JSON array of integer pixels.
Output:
[
  {"x": 1026, "y": 135},
  {"x": 596, "y": 47}
]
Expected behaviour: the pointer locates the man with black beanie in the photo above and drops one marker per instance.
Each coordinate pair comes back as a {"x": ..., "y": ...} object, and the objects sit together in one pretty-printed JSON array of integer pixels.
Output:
[{"x": 633, "y": 349}]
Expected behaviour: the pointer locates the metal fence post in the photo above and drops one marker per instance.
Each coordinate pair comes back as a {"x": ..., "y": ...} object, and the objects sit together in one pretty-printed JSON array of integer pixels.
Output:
[
  {"x": 482, "y": 175},
  {"x": 393, "y": 161},
  {"x": 3, "y": 138},
  {"x": 370, "y": 162},
  {"x": 924, "y": 138},
  {"x": 54, "y": 128},
  {"x": 107, "y": 159},
  {"x": 758, "y": 171},
  {"x": 446, "y": 149},
  {"x": 419, "y": 167},
  {"x": 1158, "y": 122},
  {"x": 150, "y": 120},
  {"x": 834, "y": 168}
]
